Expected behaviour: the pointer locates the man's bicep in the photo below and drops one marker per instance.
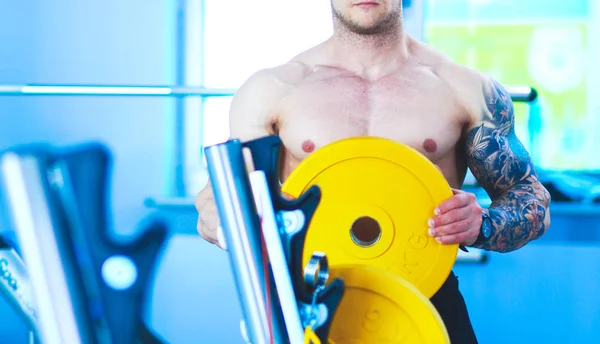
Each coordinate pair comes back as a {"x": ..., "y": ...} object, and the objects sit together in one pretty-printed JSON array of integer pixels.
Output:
[{"x": 495, "y": 155}]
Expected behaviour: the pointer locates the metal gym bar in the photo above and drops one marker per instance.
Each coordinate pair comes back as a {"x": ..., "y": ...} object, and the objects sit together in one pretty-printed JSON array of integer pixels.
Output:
[
  {"x": 518, "y": 93},
  {"x": 112, "y": 90},
  {"x": 241, "y": 228},
  {"x": 28, "y": 202}
]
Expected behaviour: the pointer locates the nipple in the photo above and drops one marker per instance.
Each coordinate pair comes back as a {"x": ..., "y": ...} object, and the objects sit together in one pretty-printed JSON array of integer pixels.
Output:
[
  {"x": 308, "y": 146},
  {"x": 430, "y": 145}
]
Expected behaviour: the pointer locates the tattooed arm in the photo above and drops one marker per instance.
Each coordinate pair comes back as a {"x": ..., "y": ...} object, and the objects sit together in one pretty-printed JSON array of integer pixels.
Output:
[{"x": 520, "y": 204}]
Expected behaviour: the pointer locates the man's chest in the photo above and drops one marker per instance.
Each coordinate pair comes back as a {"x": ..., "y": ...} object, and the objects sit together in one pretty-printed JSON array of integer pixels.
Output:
[{"x": 421, "y": 113}]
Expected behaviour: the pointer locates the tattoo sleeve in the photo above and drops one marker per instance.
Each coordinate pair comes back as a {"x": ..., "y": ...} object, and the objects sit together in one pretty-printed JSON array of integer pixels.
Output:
[{"x": 503, "y": 167}]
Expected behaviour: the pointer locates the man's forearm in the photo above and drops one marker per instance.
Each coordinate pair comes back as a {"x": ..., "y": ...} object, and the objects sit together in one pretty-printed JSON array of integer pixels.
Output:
[{"x": 518, "y": 216}]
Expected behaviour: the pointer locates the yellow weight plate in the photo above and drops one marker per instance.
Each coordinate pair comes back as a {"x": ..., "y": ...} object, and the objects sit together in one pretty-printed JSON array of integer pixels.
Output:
[
  {"x": 377, "y": 196},
  {"x": 379, "y": 307}
]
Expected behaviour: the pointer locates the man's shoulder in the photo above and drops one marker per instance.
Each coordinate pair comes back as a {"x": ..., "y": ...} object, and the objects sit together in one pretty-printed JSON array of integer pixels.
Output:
[
  {"x": 479, "y": 92},
  {"x": 471, "y": 86},
  {"x": 453, "y": 72},
  {"x": 292, "y": 72},
  {"x": 443, "y": 65},
  {"x": 264, "y": 89},
  {"x": 479, "y": 89},
  {"x": 277, "y": 77}
]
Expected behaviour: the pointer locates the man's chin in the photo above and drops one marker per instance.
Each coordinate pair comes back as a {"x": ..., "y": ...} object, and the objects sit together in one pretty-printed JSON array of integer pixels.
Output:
[
  {"x": 366, "y": 30},
  {"x": 367, "y": 27}
]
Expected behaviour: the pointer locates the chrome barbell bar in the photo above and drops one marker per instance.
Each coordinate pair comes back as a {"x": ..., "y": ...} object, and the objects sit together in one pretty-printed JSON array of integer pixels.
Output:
[{"x": 518, "y": 93}]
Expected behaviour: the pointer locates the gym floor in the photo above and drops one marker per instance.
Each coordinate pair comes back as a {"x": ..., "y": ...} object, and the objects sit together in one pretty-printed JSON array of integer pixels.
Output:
[{"x": 546, "y": 292}]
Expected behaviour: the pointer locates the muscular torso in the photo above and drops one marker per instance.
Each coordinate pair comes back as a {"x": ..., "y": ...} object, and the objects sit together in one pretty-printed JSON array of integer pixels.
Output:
[{"x": 412, "y": 105}]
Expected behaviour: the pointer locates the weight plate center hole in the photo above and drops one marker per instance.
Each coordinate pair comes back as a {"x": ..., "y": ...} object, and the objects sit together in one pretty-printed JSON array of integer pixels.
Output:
[{"x": 365, "y": 231}]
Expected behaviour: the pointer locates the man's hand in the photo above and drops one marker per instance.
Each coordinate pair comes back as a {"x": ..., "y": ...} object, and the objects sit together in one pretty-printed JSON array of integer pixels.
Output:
[
  {"x": 458, "y": 220},
  {"x": 208, "y": 218}
]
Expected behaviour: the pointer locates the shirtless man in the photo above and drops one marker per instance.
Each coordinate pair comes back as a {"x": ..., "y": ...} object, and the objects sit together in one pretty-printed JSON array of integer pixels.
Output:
[{"x": 372, "y": 78}]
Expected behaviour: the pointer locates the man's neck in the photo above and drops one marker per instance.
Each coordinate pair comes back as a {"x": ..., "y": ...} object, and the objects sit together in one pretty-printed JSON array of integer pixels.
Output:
[{"x": 371, "y": 56}]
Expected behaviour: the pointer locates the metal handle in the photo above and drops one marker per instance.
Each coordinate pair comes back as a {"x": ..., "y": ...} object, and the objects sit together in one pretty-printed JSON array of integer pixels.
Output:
[
  {"x": 522, "y": 94},
  {"x": 241, "y": 228}
]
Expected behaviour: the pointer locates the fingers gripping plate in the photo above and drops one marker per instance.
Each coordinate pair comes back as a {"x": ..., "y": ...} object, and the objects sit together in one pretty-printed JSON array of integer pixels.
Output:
[{"x": 377, "y": 196}]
